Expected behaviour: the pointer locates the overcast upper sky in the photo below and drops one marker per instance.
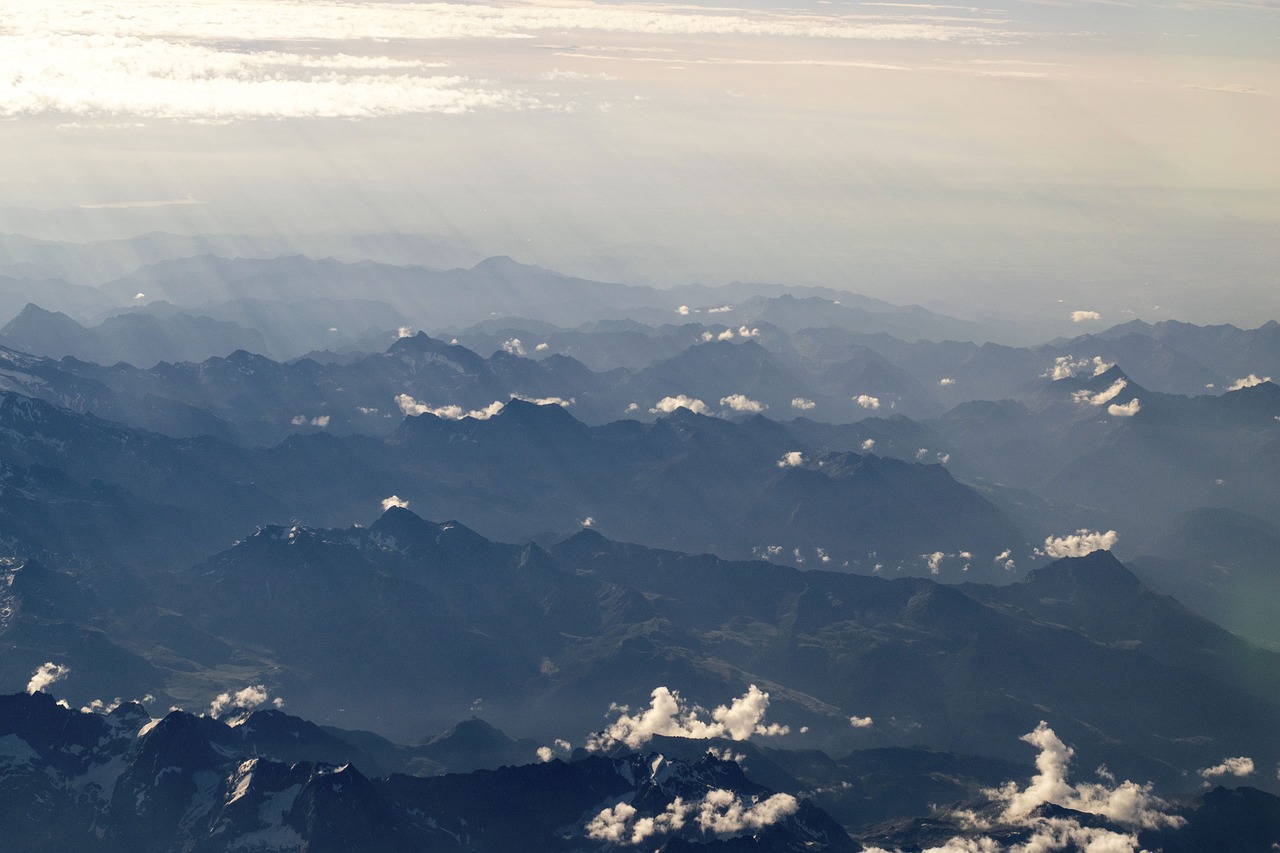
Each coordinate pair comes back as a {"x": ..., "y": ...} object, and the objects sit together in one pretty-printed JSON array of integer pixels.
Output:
[{"x": 1117, "y": 156}]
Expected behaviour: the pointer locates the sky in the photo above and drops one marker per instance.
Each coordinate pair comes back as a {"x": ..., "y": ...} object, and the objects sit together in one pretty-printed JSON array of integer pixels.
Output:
[{"x": 999, "y": 158}]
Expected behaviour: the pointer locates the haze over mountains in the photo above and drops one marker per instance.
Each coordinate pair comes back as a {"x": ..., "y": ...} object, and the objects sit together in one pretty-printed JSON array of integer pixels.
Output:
[{"x": 876, "y": 543}]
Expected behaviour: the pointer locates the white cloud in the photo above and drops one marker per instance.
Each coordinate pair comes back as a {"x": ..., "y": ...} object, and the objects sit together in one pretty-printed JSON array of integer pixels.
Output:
[
  {"x": 744, "y": 332},
  {"x": 742, "y": 403},
  {"x": 1240, "y": 766},
  {"x": 1128, "y": 803},
  {"x": 248, "y": 699},
  {"x": 670, "y": 715},
  {"x": 723, "y": 813},
  {"x": 321, "y": 421},
  {"x": 683, "y": 310},
  {"x": 1248, "y": 382},
  {"x": 861, "y": 722},
  {"x": 791, "y": 459},
  {"x": 1128, "y": 410},
  {"x": 869, "y": 445},
  {"x": 633, "y": 407},
  {"x": 934, "y": 561},
  {"x": 298, "y": 420},
  {"x": 1065, "y": 367},
  {"x": 1081, "y": 316},
  {"x": 410, "y": 407},
  {"x": 545, "y": 754},
  {"x": 945, "y": 381},
  {"x": 46, "y": 674},
  {"x": 589, "y": 521},
  {"x": 802, "y": 404},
  {"x": 944, "y": 458},
  {"x": 668, "y": 405},
  {"x": 139, "y": 295},
  {"x": 922, "y": 453},
  {"x": 1005, "y": 558},
  {"x": 513, "y": 346},
  {"x": 726, "y": 335},
  {"x": 543, "y": 347},
  {"x": 406, "y": 332},
  {"x": 866, "y": 401},
  {"x": 365, "y": 410},
  {"x": 546, "y": 401},
  {"x": 396, "y": 501},
  {"x": 620, "y": 825},
  {"x": 1088, "y": 398},
  {"x": 1080, "y": 543},
  {"x": 723, "y": 309}
]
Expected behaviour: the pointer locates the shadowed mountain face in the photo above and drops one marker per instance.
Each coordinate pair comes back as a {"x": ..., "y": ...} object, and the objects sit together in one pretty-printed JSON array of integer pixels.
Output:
[
  {"x": 406, "y": 625},
  {"x": 687, "y": 481},
  {"x": 268, "y": 782}
]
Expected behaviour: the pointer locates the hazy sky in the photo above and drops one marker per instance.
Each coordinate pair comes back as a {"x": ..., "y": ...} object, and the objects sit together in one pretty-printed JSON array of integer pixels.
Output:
[{"x": 1117, "y": 156}]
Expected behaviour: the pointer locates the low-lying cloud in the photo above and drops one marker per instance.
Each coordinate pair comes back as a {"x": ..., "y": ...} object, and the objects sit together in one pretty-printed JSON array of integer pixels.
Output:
[
  {"x": 1080, "y": 543},
  {"x": 1248, "y": 382},
  {"x": 411, "y": 407},
  {"x": 46, "y": 674},
  {"x": 670, "y": 715},
  {"x": 742, "y": 403},
  {"x": 667, "y": 405},
  {"x": 1089, "y": 398}
]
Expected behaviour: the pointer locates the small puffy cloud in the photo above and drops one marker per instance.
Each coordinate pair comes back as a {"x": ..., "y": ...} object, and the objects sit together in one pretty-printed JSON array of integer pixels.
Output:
[
  {"x": 1128, "y": 410},
  {"x": 922, "y": 453},
  {"x": 944, "y": 458},
  {"x": 726, "y": 335},
  {"x": 724, "y": 813},
  {"x": 1080, "y": 543},
  {"x": 861, "y": 722},
  {"x": 321, "y": 421},
  {"x": 802, "y": 404},
  {"x": 298, "y": 420},
  {"x": 946, "y": 381},
  {"x": 683, "y": 310},
  {"x": 248, "y": 699},
  {"x": 670, "y": 715},
  {"x": 366, "y": 410},
  {"x": 46, "y": 674},
  {"x": 744, "y": 332},
  {"x": 667, "y": 405},
  {"x": 545, "y": 754},
  {"x": 410, "y": 407},
  {"x": 869, "y": 445},
  {"x": 1066, "y": 366},
  {"x": 1088, "y": 398},
  {"x": 394, "y": 501},
  {"x": 543, "y": 347},
  {"x": 1005, "y": 558},
  {"x": 742, "y": 403},
  {"x": 1248, "y": 382},
  {"x": 406, "y": 332},
  {"x": 934, "y": 561},
  {"x": 620, "y": 825},
  {"x": 866, "y": 401},
  {"x": 589, "y": 521},
  {"x": 139, "y": 295},
  {"x": 1082, "y": 316},
  {"x": 791, "y": 459},
  {"x": 513, "y": 346},
  {"x": 1240, "y": 766},
  {"x": 723, "y": 309},
  {"x": 633, "y": 407}
]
